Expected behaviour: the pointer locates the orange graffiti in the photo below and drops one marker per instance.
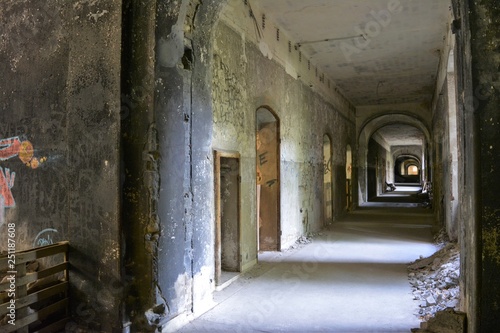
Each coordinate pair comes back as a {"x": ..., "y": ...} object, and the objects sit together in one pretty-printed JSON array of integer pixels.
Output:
[
  {"x": 34, "y": 163},
  {"x": 23, "y": 149},
  {"x": 26, "y": 152}
]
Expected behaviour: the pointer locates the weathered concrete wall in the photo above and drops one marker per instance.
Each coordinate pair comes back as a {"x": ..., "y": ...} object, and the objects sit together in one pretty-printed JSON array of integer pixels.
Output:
[
  {"x": 168, "y": 161},
  {"x": 485, "y": 46},
  {"x": 141, "y": 223},
  {"x": 470, "y": 222},
  {"x": 166, "y": 151},
  {"x": 61, "y": 99}
]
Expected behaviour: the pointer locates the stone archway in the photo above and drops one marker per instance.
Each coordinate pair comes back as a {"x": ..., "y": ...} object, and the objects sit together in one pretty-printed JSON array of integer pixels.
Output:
[{"x": 366, "y": 132}]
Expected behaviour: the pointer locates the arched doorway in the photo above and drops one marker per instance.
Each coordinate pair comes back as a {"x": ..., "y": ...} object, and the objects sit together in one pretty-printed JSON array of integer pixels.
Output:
[
  {"x": 381, "y": 140},
  {"x": 348, "y": 177},
  {"x": 268, "y": 180},
  {"x": 407, "y": 169},
  {"x": 327, "y": 180}
]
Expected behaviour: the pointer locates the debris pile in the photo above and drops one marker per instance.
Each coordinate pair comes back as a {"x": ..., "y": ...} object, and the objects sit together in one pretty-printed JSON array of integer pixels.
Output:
[
  {"x": 435, "y": 281},
  {"x": 301, "y": 241},
  {"x": 305, "y": 239},
  {"x": 444, "y": 322}
]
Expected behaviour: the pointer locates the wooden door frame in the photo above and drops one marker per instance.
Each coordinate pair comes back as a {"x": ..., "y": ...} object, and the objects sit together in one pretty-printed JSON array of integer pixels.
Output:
[{"x": 218, "y": 154}]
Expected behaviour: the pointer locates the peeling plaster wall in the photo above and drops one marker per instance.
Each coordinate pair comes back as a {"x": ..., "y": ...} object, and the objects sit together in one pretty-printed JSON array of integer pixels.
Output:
[
  {"x": 245, "y": 80},
  {"x": 60, "y": 99},
  {"x": 159, "y": 163},
  {"x": 169, "y": 185}
]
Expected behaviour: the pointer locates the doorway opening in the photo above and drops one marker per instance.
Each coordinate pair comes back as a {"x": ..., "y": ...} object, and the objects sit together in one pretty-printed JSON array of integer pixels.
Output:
[
  {"x": 227, "y": 215},
  {"x": 268, "y": 180},
  {"x": 348, "y": 177},
  {"x": 327, "y": 180},
  {"x": 407, "y": 170}
]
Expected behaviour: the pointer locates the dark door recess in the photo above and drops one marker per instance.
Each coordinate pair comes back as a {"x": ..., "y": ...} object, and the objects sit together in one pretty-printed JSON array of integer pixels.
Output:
[{"x": 227, "y": 215}]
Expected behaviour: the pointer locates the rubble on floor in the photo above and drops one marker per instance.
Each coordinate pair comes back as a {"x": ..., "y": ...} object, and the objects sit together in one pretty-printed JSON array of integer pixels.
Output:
[
  {"x": 435, "y": 280},
  {"x": 304, "y": 239},
  {"x": 447, "y": 321}
]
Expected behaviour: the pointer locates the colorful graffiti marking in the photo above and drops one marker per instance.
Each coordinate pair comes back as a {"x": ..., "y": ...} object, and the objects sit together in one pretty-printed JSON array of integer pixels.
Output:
[
  {"x": 45, "y": 237},
  {"x": 10, "y": 148},
  {"x": 6, "y": 183},
  {"x": 13, "y": 147}
]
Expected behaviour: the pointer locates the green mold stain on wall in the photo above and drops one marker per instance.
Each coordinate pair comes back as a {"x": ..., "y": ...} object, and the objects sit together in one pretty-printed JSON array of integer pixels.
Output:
[{"x": 491, "y": 235}]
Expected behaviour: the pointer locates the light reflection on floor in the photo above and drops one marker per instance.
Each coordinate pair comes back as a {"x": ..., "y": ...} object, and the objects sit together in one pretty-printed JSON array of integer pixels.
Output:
[{"x": 351, "y": 278}]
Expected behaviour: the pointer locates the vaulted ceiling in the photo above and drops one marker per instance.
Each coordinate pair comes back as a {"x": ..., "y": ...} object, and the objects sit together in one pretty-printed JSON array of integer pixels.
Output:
[{"x": 376, "y": 51}]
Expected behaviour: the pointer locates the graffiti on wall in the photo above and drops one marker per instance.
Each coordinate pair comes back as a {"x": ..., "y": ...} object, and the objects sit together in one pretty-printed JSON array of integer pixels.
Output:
[
  {"x": 45, "y": 237},
  {"x": 228, "y": 95},
  {"x": 10, "y": 148}
]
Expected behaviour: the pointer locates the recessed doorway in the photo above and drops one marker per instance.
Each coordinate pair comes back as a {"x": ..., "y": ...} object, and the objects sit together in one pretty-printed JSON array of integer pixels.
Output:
[
  {"x": 348, "y": 176},
  {"x": 227, "y": 215},
  {"x": 327, "y": 180},
  {"x": 268, "y": 180}
]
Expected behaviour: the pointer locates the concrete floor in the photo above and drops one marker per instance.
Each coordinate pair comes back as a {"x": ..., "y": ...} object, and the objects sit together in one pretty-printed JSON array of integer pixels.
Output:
[{"x": 351, "y": 278}]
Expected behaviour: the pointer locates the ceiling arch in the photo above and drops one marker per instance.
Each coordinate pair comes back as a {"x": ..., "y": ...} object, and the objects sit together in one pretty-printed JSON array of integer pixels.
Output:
[{"x": 375, "y": 124}]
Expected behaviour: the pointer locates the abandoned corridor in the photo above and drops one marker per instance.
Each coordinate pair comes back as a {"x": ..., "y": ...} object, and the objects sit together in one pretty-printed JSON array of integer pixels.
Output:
[{"x": 126, "y": 124}]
